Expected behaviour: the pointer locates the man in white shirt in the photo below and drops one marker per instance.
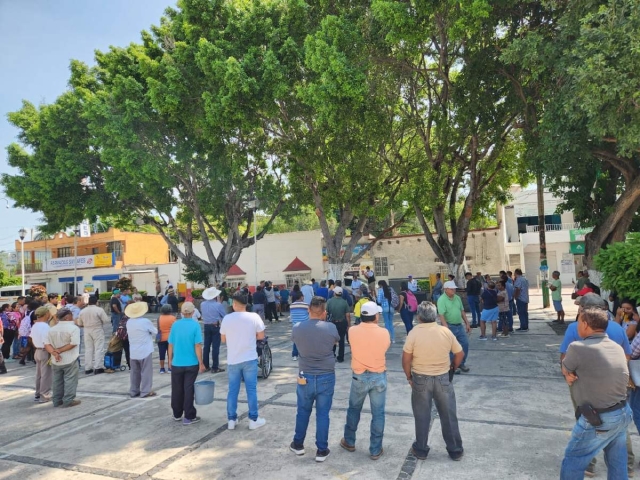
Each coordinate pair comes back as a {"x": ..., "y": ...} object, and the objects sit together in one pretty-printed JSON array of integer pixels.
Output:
[
  {"x": 356, "y": 283},
  {"x": 413, "y": 284},
  {"x": 62, "y": 343},
  {"x": 44, "y": 374},
  {"x": 92, "y": 320},
  {"x": 307, "y": 291},
  {"x": 239, "y": 331},
  {"x": 141, "y": 333}
]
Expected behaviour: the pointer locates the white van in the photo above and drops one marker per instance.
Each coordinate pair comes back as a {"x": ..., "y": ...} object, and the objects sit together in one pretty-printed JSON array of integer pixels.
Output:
[{"x": 10, "y": 294}]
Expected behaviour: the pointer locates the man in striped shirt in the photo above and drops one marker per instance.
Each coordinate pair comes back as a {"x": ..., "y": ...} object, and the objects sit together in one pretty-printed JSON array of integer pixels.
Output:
[{"x": 299, "y": 312}]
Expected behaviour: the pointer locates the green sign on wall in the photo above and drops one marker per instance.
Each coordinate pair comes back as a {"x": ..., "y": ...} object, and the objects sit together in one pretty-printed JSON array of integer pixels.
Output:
[{"x": 577, "y": 248}]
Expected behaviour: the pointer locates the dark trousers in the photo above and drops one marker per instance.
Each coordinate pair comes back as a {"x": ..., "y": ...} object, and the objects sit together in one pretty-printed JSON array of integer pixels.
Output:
[
  {"x": 523, "y": 313},
  {"x": 211, "y": 342},
  {"x": 271, "y": 311},
  {"x": 183, "y": 391},
  {"x": 342, "y": 331},
  {"x": 125, "y": 346},
  {"x": 8, "y": 336}
]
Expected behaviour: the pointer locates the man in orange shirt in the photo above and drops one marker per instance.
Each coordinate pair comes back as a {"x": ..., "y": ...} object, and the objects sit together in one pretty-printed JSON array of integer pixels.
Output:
[{"x": 369, "y": 344}]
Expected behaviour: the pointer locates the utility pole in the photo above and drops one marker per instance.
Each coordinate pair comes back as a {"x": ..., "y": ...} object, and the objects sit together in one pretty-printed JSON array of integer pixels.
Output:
[{"x": 542, "y": 232}]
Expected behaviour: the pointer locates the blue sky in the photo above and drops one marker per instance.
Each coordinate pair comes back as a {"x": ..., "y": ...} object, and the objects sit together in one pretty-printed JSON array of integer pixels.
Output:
[{"x": 38, "y": 38}]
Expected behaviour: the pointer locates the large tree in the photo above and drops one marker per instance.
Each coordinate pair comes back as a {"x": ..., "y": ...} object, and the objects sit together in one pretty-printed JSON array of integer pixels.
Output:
[
  {"x": 458, "y": 113},
  {"x": 152, "y": 132}
]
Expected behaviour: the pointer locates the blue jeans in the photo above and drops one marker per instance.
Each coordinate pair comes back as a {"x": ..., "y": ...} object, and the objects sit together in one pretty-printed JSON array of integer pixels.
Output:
[
  {"x": 435, "y": 297},
  {"x": 249, "y": 372},
  {"x": 523, "y": 313},
  {"x": 211, "y": 342},
  {"x": 634, "y": 403},
  {"x": 115, "y": 320},
  {"x": 587, "y": 441},
  {"x": 407, "y": 318},
  {"x": 461, "y": 335},
  {"x": 514, "y": 310},
  {"x": 474, "y": 306},
  {"x": 16, "y": 345},
  {"x": 374, "y": 385},
  {"x": 319, "y": 388},
  {"x": 388, "y": 321},
  {"x": 294, "y": 351}
]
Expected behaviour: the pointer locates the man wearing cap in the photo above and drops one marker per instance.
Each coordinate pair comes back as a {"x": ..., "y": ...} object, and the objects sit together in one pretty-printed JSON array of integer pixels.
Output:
[
  {"x": 369, "y": 344},
  {"x": 452, "y": 315},
  {"x": 412, "y": 284},
  {"x": 93, "y": 319},
  {"x": 44, "y": 374},
  {"x": 315, "y": 340},
  {"x": 427, "y": 363},
  {"x": 597, "y": 372},
  {"x": 307, "y": 291},
  {"x": 338, "y": 312},
  {"x": 116, "y": 309},
  {"x": 172, "y": 300},
  {"x": 141, "y": 333},
  {"x": 618, "y": 335},
  {"x": 213, "y": 311},
  {"x": 62, "y": 343},
  {"x": 239, "y": 331}
]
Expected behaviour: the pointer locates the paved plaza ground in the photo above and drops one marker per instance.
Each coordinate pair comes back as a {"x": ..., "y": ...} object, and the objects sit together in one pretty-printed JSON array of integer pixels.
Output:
[{"x": 514, "y": 409}]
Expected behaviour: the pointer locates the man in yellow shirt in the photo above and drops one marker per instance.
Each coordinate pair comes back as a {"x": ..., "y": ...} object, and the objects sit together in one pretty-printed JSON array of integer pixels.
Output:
[
  {"x": 427, "y": 365},
  {"x": 369, "y": 344}
]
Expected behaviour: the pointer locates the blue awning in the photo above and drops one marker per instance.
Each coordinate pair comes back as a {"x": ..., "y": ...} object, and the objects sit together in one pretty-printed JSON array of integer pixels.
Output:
[
  {"x": 113, "y": 276},
  {"x": 69, "y": 279}
]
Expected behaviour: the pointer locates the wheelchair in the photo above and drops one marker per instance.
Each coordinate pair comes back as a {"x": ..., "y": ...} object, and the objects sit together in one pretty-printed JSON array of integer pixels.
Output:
[{"x": 265, "y": 360}]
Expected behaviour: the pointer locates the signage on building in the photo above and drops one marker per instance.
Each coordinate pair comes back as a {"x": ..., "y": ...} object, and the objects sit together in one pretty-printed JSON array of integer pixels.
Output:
[
  {"x": 577, "y": 248},
  {"x": 85, "y": 229},
  {"x": 82, "y": 261},
  {"x": 577, "y": 234}
]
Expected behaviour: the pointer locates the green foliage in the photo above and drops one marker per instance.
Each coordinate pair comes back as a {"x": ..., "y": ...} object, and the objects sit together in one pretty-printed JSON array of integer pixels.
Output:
[
  {"x": 124, "y": 283},
  {"x": 6, "y": 280},
  {"x": 36, "y": 291},
  {"x": 105, "y": 296},
  {"x": 193, "y": 273},
  {"x": 620, "y": 267},
  {"x": 197, "y": 292},
  {"x": 424, "y": 285}
]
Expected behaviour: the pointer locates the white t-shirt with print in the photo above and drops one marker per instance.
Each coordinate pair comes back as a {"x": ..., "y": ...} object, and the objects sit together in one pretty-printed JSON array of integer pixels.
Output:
[{"x": 240, "y": 329}]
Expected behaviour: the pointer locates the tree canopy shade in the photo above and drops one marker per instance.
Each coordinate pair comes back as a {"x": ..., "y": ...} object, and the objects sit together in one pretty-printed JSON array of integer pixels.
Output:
[
  {"x": 151, "y": 133},
  {"x": 574, "y": 64},
  {"x": 456, "y": 115}
]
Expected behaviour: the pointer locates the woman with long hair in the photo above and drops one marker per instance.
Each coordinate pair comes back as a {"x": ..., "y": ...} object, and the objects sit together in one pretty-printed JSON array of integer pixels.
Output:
[
  {"x": 384, "y": 300},
  {"x": 405, "y": 312}
]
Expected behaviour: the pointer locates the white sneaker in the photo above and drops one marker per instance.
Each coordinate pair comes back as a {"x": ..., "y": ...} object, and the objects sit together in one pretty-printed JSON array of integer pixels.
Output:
[
  {"x": 294, "y": 358},
  {"x": 255, "y": 424},
  {"x": 232, "y": 424}
]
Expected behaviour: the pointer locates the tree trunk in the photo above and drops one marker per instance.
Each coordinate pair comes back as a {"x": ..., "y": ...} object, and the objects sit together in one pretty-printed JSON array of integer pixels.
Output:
[
  {"x": 337, "y": 269},
  {"x": 542, "y": 234}
]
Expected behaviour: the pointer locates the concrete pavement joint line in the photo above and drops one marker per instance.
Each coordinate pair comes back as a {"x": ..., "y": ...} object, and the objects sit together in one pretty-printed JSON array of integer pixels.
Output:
[
  {"x": 61, "y": 424},
  {"x": 65, "y": 466},
  {"x": 201, "y": 441}
]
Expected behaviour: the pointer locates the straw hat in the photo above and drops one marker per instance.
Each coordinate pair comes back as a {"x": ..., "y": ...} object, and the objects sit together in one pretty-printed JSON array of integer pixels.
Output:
[
  {"x": 137, "y": 309},
  {"x": 211, "y": 293}
]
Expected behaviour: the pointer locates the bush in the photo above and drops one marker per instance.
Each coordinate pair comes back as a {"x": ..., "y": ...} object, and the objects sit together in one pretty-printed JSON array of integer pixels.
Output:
[
  {"x": 124, "y": 283},
  {"x": 142, "y": 292},
  {"x": 424, "y": 285},
  {"x": 105, "y": 296},
  {"x": 36, "y": 291},
  {"x": 619, "y": 264},
  {"x": 197, "y": 293}
]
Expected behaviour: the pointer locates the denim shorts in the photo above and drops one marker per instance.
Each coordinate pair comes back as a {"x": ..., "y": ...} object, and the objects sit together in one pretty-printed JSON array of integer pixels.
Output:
[
  {"x": 557, "y": 304},
  {"x": 490, "y": 315}
]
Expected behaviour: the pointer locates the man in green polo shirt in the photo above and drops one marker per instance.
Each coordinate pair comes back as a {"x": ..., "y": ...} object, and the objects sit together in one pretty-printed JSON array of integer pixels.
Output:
[{"x": 452, "y": 315}]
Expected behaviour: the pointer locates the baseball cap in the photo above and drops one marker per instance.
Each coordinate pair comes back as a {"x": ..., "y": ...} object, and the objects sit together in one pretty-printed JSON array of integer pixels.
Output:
[
  {"x": 42, "y": 311},
  {"x": 450, "y": 284},
  {"x": 116, "y": 291},
  {"x": 337, "y": 291},
  {"x": 369, "y": 309}
]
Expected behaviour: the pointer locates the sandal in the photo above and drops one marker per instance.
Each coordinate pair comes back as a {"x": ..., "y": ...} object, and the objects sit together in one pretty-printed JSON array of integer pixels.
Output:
[{"x": 150, "y": 394}]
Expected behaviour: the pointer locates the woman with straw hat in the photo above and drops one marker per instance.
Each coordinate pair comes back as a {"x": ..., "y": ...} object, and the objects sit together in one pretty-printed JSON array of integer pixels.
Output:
[{"x": 141, "y": 333}]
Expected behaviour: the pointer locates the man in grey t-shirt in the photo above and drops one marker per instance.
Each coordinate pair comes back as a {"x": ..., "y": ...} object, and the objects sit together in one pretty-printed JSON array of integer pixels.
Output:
[{"x": 315, "y": 339}]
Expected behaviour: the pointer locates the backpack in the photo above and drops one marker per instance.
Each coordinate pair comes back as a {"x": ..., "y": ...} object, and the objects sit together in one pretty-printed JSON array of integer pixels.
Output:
[
  {"x": 395, "y": 301},
  {"x": 412, "y": 303}
]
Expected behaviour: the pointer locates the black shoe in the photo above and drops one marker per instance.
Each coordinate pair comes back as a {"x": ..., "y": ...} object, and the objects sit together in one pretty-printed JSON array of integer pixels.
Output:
[
  {"x": 522, "y": 329},
  {"x": 21, "y": 362},
  {"x": 89, "y": 372},
  {"x": 474, "y": 325},
  {"x": 98, "y": 371},
  {"x": 456, "y": 456},
  {"x": 297, "y": 449},
  {"x": 418, "y": 456},
  {"x": 322, "y": 455}
]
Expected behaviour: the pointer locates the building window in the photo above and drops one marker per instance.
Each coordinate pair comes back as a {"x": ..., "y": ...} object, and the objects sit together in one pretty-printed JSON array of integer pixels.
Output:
[
  {"x": 116, "y": 248},
  {"x": 290, "y": 278},
  {"x": 381, "y": 267},
  {"x": 95, "y": 250},
  {"x": 111, "y": 284},
  {"x": 172, "y": 257},
  {"x": 65, "y": 252}
]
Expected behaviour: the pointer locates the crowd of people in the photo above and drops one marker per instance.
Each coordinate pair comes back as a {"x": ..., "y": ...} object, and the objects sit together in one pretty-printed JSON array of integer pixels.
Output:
[{"x": 325, "y": 317}]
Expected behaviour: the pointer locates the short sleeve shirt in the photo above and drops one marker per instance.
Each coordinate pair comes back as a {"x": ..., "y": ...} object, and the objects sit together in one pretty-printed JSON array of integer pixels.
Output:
[
  {"x": 64, "y": 333},
  {"x": 490, "y": 299},
  {"x": 39, "y": 334},
  {"x": 338, "y": 308},
  {"x": 451, "y": 309},
  {"x": 556, "y": 295},
  {"x": 523, "y": 285},
  {"x": 503, "y": 306},
  {"x": 184, "y": 335},
  {"x": 240, "y": 329},
  {"x": 614, "y": 331},
  {"x": 115, "y": 302},
  {"x": 369, "y": 345},
  {"x": 430, "y": 345},
  {"x": 315, "y": 340}
]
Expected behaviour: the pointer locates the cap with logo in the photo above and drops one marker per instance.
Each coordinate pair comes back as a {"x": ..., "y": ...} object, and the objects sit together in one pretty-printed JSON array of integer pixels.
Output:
[{"x": 369, "y": 309}]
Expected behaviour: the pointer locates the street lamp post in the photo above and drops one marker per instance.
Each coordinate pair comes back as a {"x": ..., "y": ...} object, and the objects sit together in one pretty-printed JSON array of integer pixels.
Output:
[{"x": 23, "y": 233}]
